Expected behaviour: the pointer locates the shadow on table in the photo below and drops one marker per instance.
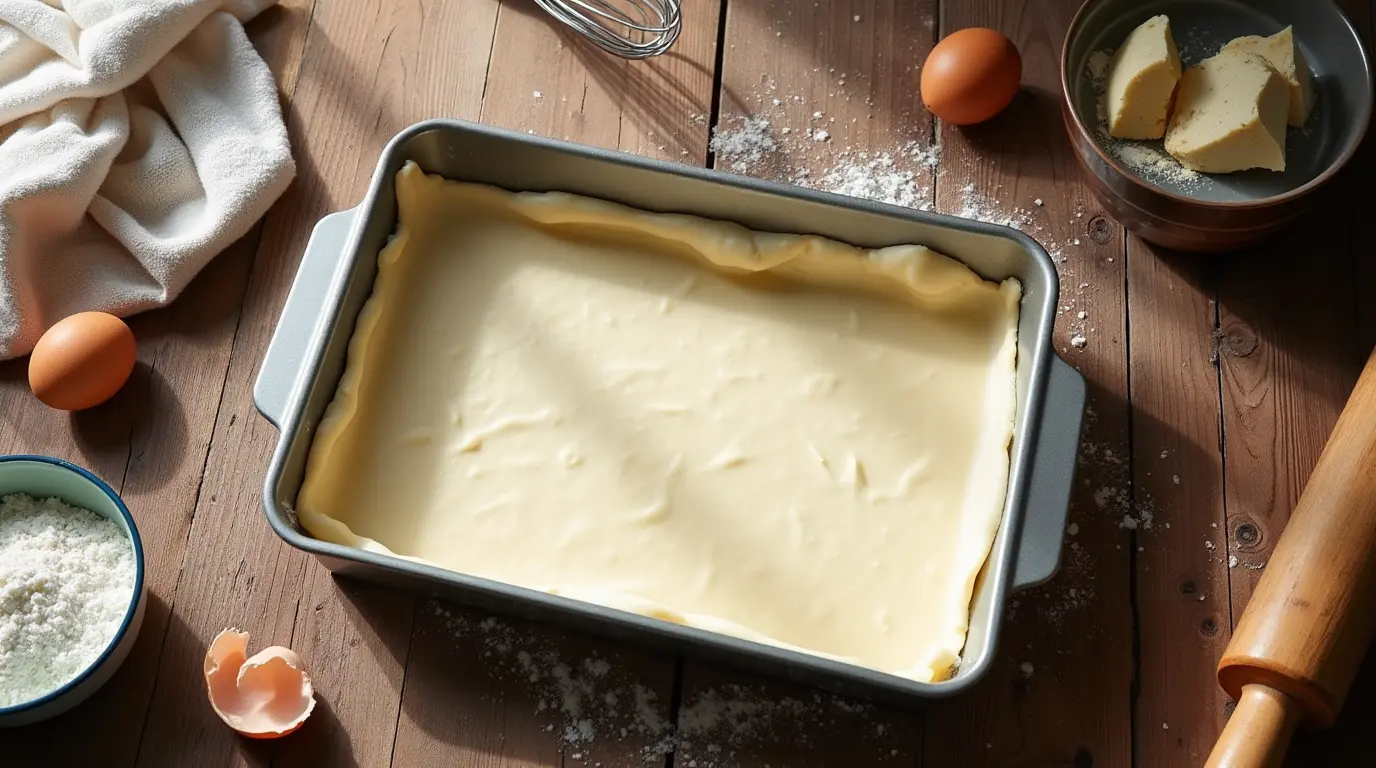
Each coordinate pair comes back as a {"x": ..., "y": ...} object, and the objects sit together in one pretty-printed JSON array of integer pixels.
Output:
[
  {"x": 483, "y": 684},
  {"x": 653, "y": 92},
  {"x": 1027, "y": 135},
  {"x": 318, "y": 742},
  {"x": 1288, "y": 306},
  {"x": 1061, "y": 685},
  {"x": 148, "y": 404},
  {"x": 1349, "y": 741}
]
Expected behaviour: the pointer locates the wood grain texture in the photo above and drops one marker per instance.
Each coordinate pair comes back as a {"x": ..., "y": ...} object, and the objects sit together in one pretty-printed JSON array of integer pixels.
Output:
[
  {"x": 727, "y": 718},
  {"x": 1060, "y": 693},
  {"x": 1285, "y": 375},
  {"x": 517, "y": 693},
  {"x": 1182, "y": 569},
  {"x": 463, "y": 698},
  {"x": 836, "y": 83},
  {"x": 364, "y": 76},
  {"x": 546, "y": 80}
]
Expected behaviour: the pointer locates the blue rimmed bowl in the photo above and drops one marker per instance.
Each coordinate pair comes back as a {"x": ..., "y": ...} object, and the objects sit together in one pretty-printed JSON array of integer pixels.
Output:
[{"x": 45, "y": 477}]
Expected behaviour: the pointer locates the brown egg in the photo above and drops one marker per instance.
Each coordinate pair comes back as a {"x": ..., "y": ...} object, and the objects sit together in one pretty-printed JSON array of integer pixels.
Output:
[
  {"x": 82, "y": 361},
  {"x": 971, "y": 75}
]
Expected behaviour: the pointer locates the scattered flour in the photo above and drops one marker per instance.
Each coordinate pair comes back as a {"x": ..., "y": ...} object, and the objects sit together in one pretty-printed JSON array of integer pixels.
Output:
[
  {"x": 1097, "y": 66},
  {"x": 1147, "y": 159},
  {"x": 976, "y": 206},
  {"x": 715, "y": 723},
  {"x": 745, "y": 144},
  {"x": 778, "y": 140},
  {"x": 66, "y": 576},
  {"x": 1232, "y": 561},
  {"x": 877, "y": 178},
  {"x": 591, "y": 699}
]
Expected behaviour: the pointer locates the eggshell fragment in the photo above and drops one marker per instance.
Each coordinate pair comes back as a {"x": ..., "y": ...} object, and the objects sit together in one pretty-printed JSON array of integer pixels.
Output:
[{"x": 264, "y": 696}]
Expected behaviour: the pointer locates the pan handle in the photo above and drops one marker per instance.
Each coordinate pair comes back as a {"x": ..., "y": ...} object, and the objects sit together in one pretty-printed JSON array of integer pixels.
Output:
[
  {"x": 278, "y": 376},
  {"x": 1053, "y": 472}
]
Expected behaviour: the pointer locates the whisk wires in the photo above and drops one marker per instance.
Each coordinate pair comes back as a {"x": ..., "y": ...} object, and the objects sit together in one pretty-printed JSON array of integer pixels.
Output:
[{"x": 632, "y": 29}]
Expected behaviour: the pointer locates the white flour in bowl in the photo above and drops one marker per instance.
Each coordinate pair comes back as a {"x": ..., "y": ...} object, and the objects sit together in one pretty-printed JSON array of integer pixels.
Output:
[{"x": 66, "y": 576}]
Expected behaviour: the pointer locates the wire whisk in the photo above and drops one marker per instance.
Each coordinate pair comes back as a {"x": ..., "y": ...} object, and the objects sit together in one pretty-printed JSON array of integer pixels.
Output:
[{"x": 631, "y": 29}]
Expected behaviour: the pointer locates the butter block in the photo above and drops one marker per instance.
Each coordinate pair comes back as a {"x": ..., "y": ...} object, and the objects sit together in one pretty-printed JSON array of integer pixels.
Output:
[
  {"x": 1230, "y": 115},
  {"x": 1281, "y": 52},
  {"x": 1141, "y": 80}
]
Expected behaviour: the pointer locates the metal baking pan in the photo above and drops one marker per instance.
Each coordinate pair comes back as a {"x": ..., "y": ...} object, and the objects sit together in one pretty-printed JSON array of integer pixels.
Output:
[{"x": 306, "y": 358}]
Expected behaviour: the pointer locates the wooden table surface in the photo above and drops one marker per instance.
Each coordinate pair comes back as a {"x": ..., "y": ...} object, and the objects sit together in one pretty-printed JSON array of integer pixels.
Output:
[{"x": 1213, "y": 385}]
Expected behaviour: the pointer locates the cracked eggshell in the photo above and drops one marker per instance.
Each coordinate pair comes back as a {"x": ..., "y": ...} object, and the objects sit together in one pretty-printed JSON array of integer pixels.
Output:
[{"x": 264, "y": 696}]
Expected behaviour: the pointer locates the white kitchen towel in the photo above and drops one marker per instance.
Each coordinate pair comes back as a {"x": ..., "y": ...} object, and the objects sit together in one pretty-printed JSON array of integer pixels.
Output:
[{"x": 138, "y": 139}]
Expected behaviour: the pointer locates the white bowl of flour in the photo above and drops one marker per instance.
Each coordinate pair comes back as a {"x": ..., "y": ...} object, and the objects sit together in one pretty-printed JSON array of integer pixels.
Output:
[{"x": 71, "y": 586}]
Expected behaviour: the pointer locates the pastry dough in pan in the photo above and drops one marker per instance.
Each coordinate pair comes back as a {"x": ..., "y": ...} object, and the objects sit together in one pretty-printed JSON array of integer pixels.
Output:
[{"x": 778, "y": 437}]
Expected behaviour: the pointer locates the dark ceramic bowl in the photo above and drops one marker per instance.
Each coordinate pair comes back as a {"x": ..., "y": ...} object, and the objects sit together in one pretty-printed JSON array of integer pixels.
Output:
[{"x": 1216, "y": 212}]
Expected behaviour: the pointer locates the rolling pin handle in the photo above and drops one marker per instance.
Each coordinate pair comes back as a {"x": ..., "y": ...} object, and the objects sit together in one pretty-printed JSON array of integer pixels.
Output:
[{"x": 1258, "y": 733}]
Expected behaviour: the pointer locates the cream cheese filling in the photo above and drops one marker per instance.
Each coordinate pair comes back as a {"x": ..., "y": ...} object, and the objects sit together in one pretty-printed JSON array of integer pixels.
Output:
[{"x": 777, "y": 437}]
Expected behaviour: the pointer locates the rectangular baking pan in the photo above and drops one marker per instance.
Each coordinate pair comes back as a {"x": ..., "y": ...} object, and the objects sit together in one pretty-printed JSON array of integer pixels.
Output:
[{"x": 306, "y": 357}]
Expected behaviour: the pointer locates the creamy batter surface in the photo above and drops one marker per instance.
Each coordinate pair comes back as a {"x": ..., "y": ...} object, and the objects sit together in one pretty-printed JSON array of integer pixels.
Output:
[{"x": 778, "y": 437}]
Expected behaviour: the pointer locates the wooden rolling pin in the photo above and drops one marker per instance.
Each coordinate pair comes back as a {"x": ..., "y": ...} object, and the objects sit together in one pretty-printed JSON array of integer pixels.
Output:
[{"x": 1308, "y": 625}]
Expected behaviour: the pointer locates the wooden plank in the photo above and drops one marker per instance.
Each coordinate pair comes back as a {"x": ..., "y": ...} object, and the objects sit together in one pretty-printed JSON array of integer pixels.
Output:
[
  {"x": 729, "y": 718},
  {"x": 1060, "y": 693},
  {"x": 1286, "y": 376},
  {"x": 461, "y": 700},
  {"x": 355, "y": 637},
  {"x": 1182, "y": 569},
  {"x": 368, "y": 70},
  {"x": 837, "y": 85},
  {"x": 479, "y": 686},
  {"x": 547, "y": 80},
  {"x": 150, "y": 443}
]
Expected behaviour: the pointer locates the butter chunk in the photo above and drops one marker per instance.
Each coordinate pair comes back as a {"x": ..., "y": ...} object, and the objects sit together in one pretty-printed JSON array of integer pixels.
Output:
[
  {"x": 1281, "y": 52},
  {"x": 1230, "y": 115},
  {"x": 1141, "y": 79}
]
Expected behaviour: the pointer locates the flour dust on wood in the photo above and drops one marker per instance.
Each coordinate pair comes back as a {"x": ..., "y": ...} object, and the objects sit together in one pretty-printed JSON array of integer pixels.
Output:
[{"x": 591, "y": 699}]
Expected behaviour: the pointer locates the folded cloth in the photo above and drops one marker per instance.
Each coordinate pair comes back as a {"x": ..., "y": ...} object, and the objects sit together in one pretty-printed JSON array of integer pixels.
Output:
[{"x": 138, "y": 139}]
